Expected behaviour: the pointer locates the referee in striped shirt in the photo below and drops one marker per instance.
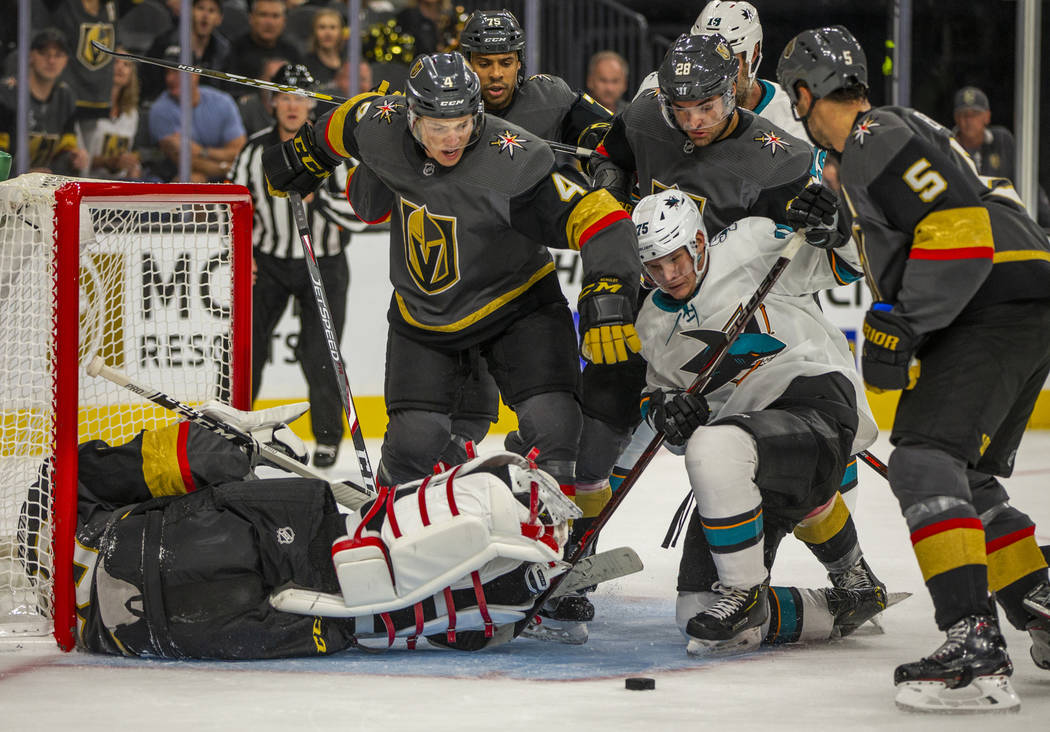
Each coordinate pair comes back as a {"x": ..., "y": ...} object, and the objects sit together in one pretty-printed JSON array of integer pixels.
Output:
[{"x": 281, "y": 270}]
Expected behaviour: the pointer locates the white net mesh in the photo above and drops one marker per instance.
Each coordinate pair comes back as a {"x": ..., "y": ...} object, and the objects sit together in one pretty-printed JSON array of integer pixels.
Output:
[{"x": 154, "y": 300}]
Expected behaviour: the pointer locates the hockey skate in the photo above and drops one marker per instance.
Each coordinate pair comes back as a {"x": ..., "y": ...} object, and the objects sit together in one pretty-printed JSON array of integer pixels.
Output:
[
  {"x": 1039, "y": 632},
  {"x": 563, "y": 620},
  {"x": 852, "y": 608},
  {"x": 1037, "y": 601},
  {"x": 732, "y": 625},
  {"x": 968, "y": 673},
  {"x": 859, "y": 578}
]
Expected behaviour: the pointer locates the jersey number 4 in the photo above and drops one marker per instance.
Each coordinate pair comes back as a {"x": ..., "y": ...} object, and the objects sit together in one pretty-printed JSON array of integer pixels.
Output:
[{"x": 567, "y": 189}]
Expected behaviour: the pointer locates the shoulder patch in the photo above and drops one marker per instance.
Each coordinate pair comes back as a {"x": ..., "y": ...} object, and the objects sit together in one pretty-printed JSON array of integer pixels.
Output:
[
  {"x": 864, "y": 128},
  {"x": 384, "y": 110},
  {"x": 542, "y": 77},
  {"x": 508, "y": 142},
  {"x": 771, "y": 140}
]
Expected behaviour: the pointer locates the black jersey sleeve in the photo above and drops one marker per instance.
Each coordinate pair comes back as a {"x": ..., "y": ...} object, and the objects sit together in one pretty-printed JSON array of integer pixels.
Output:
[
  {"x": 370, "y": 198},
  {"x": 922, "y": 190},
  {"x": 583, "y": 114},
  {"x": 617, "y": 148},
  {"x": 562, "y": 212},
  {"x": 336, "y": 128}
]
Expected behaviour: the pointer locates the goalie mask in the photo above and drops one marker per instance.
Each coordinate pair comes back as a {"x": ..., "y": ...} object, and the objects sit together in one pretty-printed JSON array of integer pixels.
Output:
[
  {"x": 825, "y": 60},
  {"x": 442, "y": 88},
  {"x": 738, "y": 24},
  {"x": 698, "y": 69},
  {"x": 666, "y": 222}
]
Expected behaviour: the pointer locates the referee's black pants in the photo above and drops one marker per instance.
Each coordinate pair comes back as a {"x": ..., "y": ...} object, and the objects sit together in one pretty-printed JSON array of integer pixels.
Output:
[{"x": 277, "y": 280}]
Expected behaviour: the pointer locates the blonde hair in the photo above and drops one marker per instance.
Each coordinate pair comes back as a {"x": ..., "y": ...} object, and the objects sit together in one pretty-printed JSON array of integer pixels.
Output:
[
  {"x": 128, "y": 96},
  {"x": 311, "y": 44}
]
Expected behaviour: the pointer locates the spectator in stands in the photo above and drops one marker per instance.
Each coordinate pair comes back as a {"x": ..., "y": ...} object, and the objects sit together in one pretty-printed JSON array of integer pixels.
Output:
[
  {"x": 52, "y": 138},
  {"x": 607, "y": 80},
  {"x": 110, "y": 140},
  {"x": 991, "y": 146},
  {"x": 87, "y": 73},
  {"x": 209, "y": 48},
  {"x": 340, "y": 85},
  {"x": 256, "y": 105},
  {"x": 432, "y": 23},
  {"x": 217, "y": 133},
  {"x": 326, "y": 46},
  {"x": 265, "y": 38}
]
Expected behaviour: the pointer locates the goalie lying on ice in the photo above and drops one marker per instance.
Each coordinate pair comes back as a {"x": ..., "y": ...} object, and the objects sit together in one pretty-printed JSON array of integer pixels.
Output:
[{"x": 188, "y": 570}]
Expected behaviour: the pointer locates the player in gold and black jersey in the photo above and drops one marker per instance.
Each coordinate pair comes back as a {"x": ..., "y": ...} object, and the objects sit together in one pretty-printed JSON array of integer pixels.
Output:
[
  {"x": 476, "y": 203},
  {"x": 960, "y": 278}
]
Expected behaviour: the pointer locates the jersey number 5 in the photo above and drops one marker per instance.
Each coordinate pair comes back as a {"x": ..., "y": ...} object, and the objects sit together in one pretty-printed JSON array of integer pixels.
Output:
[{"x": 925, "y": 181}]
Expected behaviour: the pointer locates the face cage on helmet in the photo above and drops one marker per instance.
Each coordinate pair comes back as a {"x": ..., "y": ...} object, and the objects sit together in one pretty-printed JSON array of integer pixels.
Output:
[
  {"x": 728, "y": 106},
  {"x": 475, "y": 133}
]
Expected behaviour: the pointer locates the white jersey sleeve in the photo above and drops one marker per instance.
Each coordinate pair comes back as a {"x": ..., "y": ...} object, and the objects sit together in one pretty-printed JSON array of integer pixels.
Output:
[
  {"x": 789, "y": 337},
  {"x": 776, "y": 107}
]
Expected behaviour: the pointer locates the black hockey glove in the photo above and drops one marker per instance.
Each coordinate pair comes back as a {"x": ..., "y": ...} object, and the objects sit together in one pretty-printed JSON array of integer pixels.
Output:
[
  {"x": 606, "y": 308},
  {"x": 817, "y": 209},
  {"x": 610, "y": 176},
  {"x": 678, "y": 414},
  {"x": 888, "y": 357},
  {"x": 300, "y": 164}
]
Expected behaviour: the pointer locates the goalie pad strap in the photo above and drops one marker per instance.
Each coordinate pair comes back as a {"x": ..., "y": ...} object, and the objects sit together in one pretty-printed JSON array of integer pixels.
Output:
[
  {"x": 479, "y": 593},
  {"x": 450, "y": 608},
  {"x": 390, "y": 515},
  {"x": 450, "y": 493},
  {"x": 421, "y": 494}
]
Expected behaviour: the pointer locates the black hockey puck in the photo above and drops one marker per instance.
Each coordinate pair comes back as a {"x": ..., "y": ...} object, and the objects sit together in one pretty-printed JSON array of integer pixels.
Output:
[{"x": 640, "y": 683}]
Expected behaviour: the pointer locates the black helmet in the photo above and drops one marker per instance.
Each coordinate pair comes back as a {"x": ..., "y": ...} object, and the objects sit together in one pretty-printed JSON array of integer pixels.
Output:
[
  {"x": 443, "y": 85},
  {"x": 295, "y": 75},
  {"x": 494, "y": 31},
  {"x": 824, "y": 59},
  {"x": 697, "y": 67},
  {"x": 491, "y": 31}
]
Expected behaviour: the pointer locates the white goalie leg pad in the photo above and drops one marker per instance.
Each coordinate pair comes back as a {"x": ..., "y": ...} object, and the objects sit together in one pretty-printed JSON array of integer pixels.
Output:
[
  {"x": 983, "y": 695},
  {"x": 454, "y": 524},
  {"x": 722, "y": 461}
]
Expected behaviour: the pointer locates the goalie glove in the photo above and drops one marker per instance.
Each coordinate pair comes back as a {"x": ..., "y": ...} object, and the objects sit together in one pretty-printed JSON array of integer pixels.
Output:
[
  {"x": 607, "y": 321},
  {"x": 677, "y": 414},
  {"x": 300, "y": 164},
  {"x": 816, "y": 209},
  {"x": 888, "y": 357},
  {"x": 266, "y": 426}
]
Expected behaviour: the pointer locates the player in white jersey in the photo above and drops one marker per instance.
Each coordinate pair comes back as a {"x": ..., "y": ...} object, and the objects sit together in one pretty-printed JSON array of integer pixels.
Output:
[
  {"x": 738, "y": 23},
  {"x": 768, "y": 440}
]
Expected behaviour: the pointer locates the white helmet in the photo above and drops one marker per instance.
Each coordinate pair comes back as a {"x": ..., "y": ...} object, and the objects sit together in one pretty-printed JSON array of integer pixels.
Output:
[
  {"x": 667, "y": 221},
  {"x": 738, "y": 23}
]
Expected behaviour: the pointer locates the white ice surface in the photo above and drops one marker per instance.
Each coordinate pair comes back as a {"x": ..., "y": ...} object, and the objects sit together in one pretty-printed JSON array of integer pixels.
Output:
[{"x": 528, "y": 685}]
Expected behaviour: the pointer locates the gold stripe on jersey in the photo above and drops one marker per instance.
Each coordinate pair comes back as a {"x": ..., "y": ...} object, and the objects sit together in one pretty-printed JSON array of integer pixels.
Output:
[
  {"x": 591, "y": 209},
  {"x": 478, "y": 314},
  {"x": 1014, "y": 561},
  {"x": 947, "y": 550},
  {"x": 1020, "y": 255},
  {"x": 333, "y": 132},
  {"x": 160, "y": 462},
  {"x": 965, "y": 231},
  {"x": 826, "y": 525}
]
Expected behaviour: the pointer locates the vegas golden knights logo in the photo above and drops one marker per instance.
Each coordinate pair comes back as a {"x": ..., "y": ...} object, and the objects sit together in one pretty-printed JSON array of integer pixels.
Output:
[
  {"x": 88, "y": 55},
  {"x": 431, "y": 250}
]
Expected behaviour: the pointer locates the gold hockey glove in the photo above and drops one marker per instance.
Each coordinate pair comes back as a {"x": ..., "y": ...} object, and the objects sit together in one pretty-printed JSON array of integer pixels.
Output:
[{"x": 607, "y": 321}]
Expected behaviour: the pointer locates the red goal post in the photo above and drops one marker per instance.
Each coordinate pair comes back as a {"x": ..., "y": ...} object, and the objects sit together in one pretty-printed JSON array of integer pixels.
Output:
[{"x": 156, "y": 279}]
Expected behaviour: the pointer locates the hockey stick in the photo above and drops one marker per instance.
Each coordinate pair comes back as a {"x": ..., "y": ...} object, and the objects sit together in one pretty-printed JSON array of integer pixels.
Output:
[
  {"x": 328, "y": 324},
  {"x": 346, "y": 493},
  {"x": 874, "y": 463},
  {"x": 698, "y": 385},
  {"x": 580, "y": 152}
]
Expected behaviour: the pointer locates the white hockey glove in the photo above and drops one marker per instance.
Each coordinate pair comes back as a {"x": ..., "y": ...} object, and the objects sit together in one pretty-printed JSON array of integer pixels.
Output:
[{"x": 266, "y": 426}]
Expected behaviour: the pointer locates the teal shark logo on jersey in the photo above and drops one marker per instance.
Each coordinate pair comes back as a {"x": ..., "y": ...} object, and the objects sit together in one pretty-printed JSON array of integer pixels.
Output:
[{"x": 748, "y": 352}]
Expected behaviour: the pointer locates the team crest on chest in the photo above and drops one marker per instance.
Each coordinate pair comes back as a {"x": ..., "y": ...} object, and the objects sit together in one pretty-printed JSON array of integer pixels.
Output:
[
  {"x": 864, "y": 129},
  {"x": 657, "y": 186},
  {"x": 509, "y": 142},
  {"x": 431, "y": 250},
  {"x": 773, "y": 141},
  {"x": 384, "y": 110},
  {"x": 91, "y": 57}
]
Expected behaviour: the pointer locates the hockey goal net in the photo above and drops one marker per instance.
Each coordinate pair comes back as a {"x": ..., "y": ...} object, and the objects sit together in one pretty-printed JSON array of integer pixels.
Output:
[{"x": 156, "y": 279}]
